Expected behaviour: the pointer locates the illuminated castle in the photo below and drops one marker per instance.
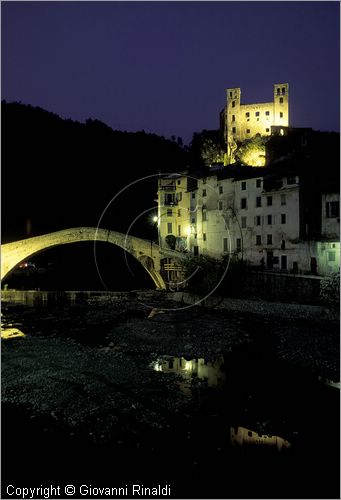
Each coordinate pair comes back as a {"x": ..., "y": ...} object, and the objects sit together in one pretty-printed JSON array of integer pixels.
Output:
[{"x": 244, "y": 121}]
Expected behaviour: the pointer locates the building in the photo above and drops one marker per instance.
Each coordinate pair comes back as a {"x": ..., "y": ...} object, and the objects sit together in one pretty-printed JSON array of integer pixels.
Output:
[{"x": 245, "y": 121}]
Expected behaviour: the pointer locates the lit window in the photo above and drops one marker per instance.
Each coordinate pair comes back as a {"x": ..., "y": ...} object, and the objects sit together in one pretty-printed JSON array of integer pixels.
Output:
[
  {"x": 258, "y": 183},
  {"x": 283, "y": 219},
  {"x": 233, "y": 118},
  {"x": 239, "y": 244},
  {"x": 169, "y": 212},
  {"x": 332, "y": 209},
  {"x": 204, "y": 236},
  {"x": 269, "y": 239},
  {"x": 243, "y": 186},
  {"x": 169, "y": 228},
  {"x": 269, "y": 201},
  {"x": 281, "y": 100},
  {"x": 204, "y": 192},
  {"x": 243, "y": 203},
  {"x": 243, "y": 222},
  {"x": 258, "y": 240},
  {"x": 258, "y": 201},
  {"x": 283, "y": 199},
  {"x": 220, "y": 189},
  {"x": 269, "y": 219}
]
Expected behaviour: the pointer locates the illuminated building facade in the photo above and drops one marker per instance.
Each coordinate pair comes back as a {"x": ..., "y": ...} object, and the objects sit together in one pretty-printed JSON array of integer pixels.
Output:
[{"x": 245, "y": 121}]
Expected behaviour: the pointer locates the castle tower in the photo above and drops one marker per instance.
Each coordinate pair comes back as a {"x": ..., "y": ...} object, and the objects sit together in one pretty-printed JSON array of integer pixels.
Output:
[
  {"x": 281, "y": 104},
  {"x": 233, "y": 121}
]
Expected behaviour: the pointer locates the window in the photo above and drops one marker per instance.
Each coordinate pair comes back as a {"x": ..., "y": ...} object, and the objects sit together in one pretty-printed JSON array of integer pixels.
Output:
[
  {"x": 239, "y": 244},
  {"x": 220, "y": 189},
  {"x": 267, "y": 113},
  {"x": 193, "y": 196},
  {"x": 179, "y": 196},
  {"x": 169, "y": 212},
  {"x": 258, "y": 183},
  {"x": 195, "y": 236},
  {"x": 169, "y": 228},
  {"x": 284, "y": 262},
  {"x": 243, "y": 222},
  {"x": 204, "y": 192},
  {"x": 281, "y": 100},
  {"x": 269, "y": 201},
  {"x": 220, "y": 205},
  {"x": 267, "y": 130},
  {"x": 193, "y": 220},
  {"x": 258, "y": 201},
  {"x": 248, "y": 130},
  {"x": 291, "y": 180},
  {"x": 332, "y": 209},
  {"x": 243, "y": 186},
  {"x": 283, "y": 219},
  {"x": 258, "y": 220},
  {"x": 204, "y": 215},
  {"x": 247, "y": 115},
  {"x": 258, "y": 239},
  {"x": 233, "y": 130},
  {"x": 331, "y": 256},
  {"x": 249, "y": 433},
  {"x": 243, "y": 203},
  {"x": 231, "y": 95},
  {"x": 225, "y": 245},
  {"x": 204, "y": 180},
  {"x": 179, "y": 212},
  {"x": 283, "y": 245},
  {"x": 269, "y": 219},
  {"x": 281, "y": 114},
  {"x": 233, "y": 118},
  {"x": 204, "y": 236},
  {"x": 278, "y": 90},
  {"x": 233, "y": 104},
  {"x": 283, "y": 90},
  {"x": 283, "y": 199},
  {"x": 179, "y": 230},
  {"x": 179, "y": 182},
  {"x": 169, "y": 199},
  {"x": 257, "y": 113},
  {"x": 269, "y": 239}
]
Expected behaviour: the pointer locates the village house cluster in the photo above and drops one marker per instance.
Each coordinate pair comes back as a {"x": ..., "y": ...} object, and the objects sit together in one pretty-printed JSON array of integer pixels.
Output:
[{"x": 269, "y": 217}]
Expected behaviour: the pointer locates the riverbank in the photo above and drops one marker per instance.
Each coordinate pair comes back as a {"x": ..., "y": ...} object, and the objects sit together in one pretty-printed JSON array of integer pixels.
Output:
[{"x": 135, "y": 385}]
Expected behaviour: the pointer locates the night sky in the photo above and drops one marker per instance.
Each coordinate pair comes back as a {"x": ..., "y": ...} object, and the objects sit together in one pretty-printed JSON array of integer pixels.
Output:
[{"x": 164, "y": 66}]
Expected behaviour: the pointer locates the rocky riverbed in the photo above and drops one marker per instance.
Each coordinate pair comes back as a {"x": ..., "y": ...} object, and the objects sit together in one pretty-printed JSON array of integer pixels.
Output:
[{"x": 94, "y": 382}]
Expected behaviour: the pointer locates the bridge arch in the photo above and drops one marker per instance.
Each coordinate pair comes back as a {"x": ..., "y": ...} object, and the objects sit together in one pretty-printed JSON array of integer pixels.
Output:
[{"x": 146, "y": 253}]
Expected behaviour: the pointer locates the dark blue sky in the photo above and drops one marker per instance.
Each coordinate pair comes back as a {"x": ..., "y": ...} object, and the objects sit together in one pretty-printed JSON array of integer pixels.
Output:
[{"x": 164, "y": 66}]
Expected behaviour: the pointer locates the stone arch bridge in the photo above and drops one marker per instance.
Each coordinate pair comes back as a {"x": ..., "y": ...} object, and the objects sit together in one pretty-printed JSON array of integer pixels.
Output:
[{"x": 149, "y": 254}]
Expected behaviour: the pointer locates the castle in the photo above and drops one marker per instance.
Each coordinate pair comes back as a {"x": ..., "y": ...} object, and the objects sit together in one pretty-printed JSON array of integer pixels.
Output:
[{"x": 245, "y": 121}]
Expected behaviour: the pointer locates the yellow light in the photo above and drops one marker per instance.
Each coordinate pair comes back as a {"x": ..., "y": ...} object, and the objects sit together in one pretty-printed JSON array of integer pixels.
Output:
[
  {"x": 155, "y": 218},
  {"x": 188, "y": 230}
]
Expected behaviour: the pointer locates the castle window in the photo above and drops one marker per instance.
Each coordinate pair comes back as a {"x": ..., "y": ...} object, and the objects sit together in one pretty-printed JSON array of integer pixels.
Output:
[
  {"x": 258, "y": 201},
  {"x": 267, "y": 113},
  {"x": 267, "y": 130},
  {"x": 248, "y": 130},
  {"x": 258, "y": 240},
  {"x": 281, "y": 114},
  {"x": 243, "y": 203},
  {"x": 244, "y": 222},
  {"x": 269, "y": 239},
  {"x": 283, "y": 90},
  {"x": 247, "y": 115},
  {"x": 233, "y": 118},
  {"x": 258, "y": 183},
  {"x": 257, "y": 113},
  {"x": 233, "y": 130},
  {"x": 243, "y": 186},
  {"x": 281, "y": 100},
  {"x": 238, "y": 244},
  {"x": 233, "y": 104},
  {"x": 270, "y": 219},
  {"x": 278, "y": 90},
  {"x": 220, "y": 189},
  {"x": 269, "y": 201},
  {"x": 231, "y": 95}
]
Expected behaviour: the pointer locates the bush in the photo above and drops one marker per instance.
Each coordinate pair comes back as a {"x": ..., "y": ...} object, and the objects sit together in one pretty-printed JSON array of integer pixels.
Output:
[{"x": 330, "y": 289}]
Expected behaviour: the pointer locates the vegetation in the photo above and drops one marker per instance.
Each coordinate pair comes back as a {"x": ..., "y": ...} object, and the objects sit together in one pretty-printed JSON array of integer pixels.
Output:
[{"x": 251, "y": 151}]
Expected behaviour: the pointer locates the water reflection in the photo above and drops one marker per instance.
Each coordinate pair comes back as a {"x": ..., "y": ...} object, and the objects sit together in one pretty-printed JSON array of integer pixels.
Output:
[
  {"x": 242, "y": 436},
  {"x": 211, "y": 371}
]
